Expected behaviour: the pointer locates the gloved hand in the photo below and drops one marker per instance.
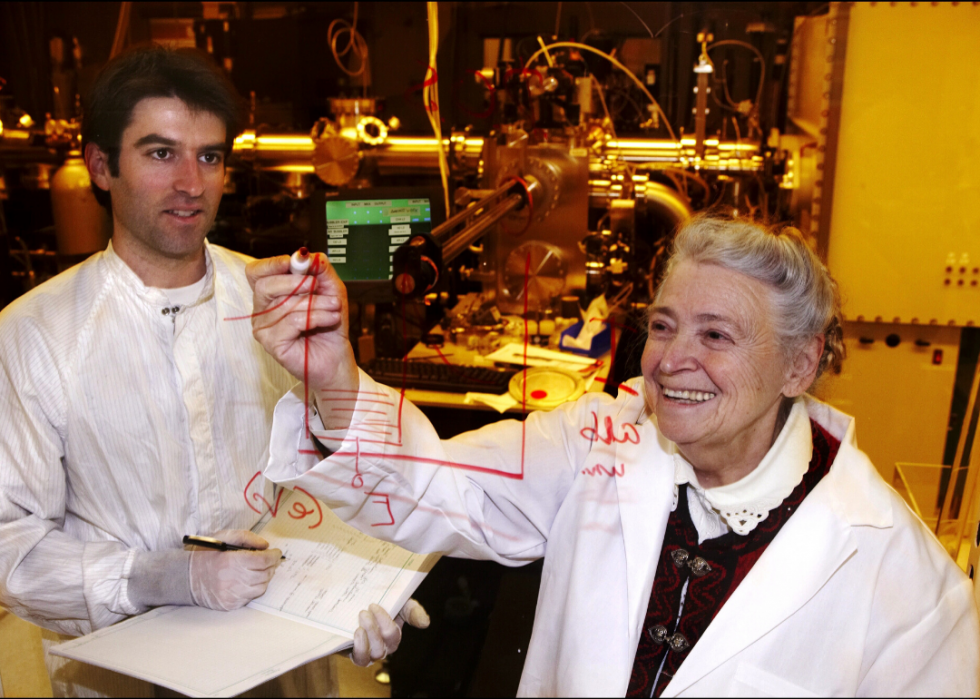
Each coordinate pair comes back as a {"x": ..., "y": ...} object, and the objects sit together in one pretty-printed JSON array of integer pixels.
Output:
[
  {"x": 378, "y": 635},
  {"x": 227, "y": 580}
]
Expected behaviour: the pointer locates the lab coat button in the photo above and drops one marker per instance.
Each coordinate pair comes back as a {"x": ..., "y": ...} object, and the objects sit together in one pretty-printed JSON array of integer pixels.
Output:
[
  {"x": 658, "y": 634},
  {"x": 680, "y": 557},
  {"x": 699, "y": 567},
  {"x": 678, "y": 643}
]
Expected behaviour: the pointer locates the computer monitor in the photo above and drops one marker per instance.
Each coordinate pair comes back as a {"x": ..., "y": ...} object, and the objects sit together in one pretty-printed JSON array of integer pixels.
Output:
[{"x": 360, "y": 230}]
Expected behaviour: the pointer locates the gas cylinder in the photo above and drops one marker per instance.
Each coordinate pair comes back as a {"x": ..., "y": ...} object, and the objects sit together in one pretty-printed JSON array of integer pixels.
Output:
[{"x": 82, "y": 226}]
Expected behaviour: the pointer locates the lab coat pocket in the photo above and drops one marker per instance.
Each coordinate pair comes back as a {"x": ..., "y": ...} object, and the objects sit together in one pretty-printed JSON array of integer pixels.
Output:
[{"x": 750, "y": 681}]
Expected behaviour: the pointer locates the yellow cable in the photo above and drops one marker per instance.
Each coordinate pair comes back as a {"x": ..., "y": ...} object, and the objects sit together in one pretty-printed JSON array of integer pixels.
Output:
[
  {"x": 551, "y": 62},
  {"x": 355, "y": 44},
  {"x": 584, "y": 47},
  {"x": 430, "y": 97}
]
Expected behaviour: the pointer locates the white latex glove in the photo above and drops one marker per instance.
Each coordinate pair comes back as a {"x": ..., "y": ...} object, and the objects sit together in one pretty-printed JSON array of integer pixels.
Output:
[
  {"x": 378, "y": 635},
  {"x": 227, "y": 580}
]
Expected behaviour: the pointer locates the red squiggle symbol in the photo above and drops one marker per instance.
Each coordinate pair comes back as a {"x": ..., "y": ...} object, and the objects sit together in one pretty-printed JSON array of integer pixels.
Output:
[
  {"x": 302, "y": 510},
  {"x": 258, "y": 497},
  {"x": 630, "y": 434},
  {"x": 600, "y": 470}
]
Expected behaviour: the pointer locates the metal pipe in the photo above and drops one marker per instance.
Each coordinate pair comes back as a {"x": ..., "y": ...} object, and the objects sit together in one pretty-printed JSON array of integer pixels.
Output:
[
  {"x": 287, "y": 152},
  {"x": 455, "y": 245},
  {"x": 667, "y": 201},
  {"x": 420, "y": 155},
  {"x": 441, "y": 230}
]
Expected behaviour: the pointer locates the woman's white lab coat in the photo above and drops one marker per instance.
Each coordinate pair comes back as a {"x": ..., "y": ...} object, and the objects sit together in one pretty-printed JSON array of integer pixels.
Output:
[{"x": 853, "y": 597}]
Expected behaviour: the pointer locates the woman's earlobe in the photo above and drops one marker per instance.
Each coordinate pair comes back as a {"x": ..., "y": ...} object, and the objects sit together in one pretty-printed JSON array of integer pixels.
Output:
[{"x": 806, "y": 364}]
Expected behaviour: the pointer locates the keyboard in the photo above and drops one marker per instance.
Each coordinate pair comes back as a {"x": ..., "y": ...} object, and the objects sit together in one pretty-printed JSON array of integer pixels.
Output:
[{"x": 451, "y": 378}]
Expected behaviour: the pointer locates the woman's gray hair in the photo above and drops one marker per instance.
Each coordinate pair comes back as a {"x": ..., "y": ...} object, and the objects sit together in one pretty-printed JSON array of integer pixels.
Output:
[{"x": 806, "y": 298}]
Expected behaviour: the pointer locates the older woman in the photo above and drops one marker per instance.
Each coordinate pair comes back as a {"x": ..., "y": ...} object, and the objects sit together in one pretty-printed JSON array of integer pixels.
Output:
[{"x": 712, "y": 531}]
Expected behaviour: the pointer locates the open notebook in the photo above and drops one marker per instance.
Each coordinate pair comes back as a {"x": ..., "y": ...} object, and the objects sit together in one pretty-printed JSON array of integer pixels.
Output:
[{"x": 331, "y": 572}]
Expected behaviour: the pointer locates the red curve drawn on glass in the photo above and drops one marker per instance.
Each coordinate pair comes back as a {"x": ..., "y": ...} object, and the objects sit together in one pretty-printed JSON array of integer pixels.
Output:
[
  {"x": 258, "y": 497},
  {"x": 630, "y": 434},
  {"x": 357, "y": 454},
  {"x": 398, "y": 442},
  {"x": 314, "y": 270},
  {"x": 600, "y": 470},
  {"x": 387, "y": 503},
  {"x": 416, "y": 506},
  {"x": 293, "y": 293},
  {"x": 303, "y": 511},
  {"x": 312, "y": 275},
  {"x": 426, "y": 83},
  {"x": 487, "y": 85},
  {"x": 527, "y": 339},
  {"x": 483, "y": 528}
]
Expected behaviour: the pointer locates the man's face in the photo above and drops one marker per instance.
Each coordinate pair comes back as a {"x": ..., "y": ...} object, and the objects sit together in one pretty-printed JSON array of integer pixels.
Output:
[{"x": 171, "y": 175}]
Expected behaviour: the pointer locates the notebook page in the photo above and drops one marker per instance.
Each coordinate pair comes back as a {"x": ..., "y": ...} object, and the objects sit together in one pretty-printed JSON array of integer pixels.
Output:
[{"x": 333, "y": 571}]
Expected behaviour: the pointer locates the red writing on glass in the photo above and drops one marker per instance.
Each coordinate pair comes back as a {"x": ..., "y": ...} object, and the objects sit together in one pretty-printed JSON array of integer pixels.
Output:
[
  {"x": 258, "y": 497},
  {"x": 425, "y": 85},
  {"x": 600, "y": 470},
  {"x": 383, "y": 499},
  {"x": 300, "y": 510},
  {"x": 628, "y": 435}
]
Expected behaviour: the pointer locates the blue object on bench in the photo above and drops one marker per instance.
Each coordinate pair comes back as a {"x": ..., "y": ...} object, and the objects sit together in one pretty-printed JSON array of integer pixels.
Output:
[{"x": 600, "y": 343}]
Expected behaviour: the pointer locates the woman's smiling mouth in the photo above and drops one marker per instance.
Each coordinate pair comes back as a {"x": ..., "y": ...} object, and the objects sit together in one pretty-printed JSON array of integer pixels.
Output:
[{"x": 687, "y": 396}]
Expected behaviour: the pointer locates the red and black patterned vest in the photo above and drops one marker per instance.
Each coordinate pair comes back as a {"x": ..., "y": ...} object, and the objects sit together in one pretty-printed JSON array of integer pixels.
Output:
[{"x": 711, "y": 571}]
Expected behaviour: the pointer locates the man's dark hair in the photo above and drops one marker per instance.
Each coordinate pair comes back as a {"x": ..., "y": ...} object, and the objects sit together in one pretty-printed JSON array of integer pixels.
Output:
[{"x": 186, "y": 74}]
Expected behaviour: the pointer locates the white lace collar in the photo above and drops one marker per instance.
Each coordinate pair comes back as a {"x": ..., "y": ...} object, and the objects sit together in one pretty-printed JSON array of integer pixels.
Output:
[{"x": 742, "y": 505}]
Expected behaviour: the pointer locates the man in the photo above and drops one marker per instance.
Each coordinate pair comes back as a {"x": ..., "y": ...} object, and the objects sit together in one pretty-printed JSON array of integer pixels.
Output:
[{"x": 133, "y": 411}]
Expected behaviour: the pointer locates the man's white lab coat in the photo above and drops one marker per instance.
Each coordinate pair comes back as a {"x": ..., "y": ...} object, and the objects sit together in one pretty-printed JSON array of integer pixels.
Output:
[
  {"x": 853, "y": 597},
  {"x": 123, "y": 428}
]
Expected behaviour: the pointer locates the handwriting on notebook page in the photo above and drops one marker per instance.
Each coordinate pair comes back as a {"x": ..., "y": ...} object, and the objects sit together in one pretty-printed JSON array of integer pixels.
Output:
[{"x": 333, "y": 572}]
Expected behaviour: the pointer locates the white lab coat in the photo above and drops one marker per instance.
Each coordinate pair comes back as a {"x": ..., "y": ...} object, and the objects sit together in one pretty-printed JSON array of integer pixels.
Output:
[
  {"x": 853, "y": 597},
  {"x": 123, "y": 429}
]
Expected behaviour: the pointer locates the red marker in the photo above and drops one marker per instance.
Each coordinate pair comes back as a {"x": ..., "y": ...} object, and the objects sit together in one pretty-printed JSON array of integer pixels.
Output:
[{"x": 300, "y": 261}]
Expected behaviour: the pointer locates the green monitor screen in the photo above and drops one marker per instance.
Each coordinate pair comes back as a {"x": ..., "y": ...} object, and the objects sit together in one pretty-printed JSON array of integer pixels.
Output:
[{"x": 363, "y": 235}]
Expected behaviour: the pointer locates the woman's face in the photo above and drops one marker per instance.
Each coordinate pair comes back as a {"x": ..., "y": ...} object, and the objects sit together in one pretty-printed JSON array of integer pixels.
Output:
[{"x": 713, "y": 366}]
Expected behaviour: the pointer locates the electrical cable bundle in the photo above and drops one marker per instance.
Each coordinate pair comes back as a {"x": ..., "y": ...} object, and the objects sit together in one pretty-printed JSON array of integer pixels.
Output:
[{"x": 430, "y": 98}]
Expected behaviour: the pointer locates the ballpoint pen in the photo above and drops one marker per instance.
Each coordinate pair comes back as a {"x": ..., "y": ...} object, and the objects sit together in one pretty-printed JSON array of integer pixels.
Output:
[{"x": 216, "y": 544}]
